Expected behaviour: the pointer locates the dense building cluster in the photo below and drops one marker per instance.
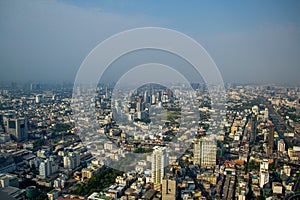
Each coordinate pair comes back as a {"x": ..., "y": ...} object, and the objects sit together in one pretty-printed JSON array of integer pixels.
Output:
[{"x": 252, "y": 151}]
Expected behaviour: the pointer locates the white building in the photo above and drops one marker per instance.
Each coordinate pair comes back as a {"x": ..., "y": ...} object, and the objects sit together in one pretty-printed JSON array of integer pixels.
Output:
[
  {"x": 264, "y": 173},
  {"x": 71, "y": 161},
  {"x": 38, "y": 98},
  {"x": 60, "y": 181},
  {"x": 108, "y": 145},
  {"x": 205, "y": 152},
  {"x": 286, "y": 170},
  {"x": 266, "y": 114},
  {"x": 263, "y": 179},
  {"x": 281, "y": 146},
  {"x": 159, "y": 162},
  {"x": 45, "y": 168}
]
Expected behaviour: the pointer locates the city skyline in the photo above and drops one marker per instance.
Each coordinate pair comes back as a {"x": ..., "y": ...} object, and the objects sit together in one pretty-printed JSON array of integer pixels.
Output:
[{"x": 148, "y": 100}]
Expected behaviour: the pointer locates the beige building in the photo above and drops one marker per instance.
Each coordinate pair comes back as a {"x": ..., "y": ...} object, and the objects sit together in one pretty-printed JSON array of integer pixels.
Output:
[
  {"x": 205, "y": 152},
  {"x": 277, "y": 188},
  {"x": 169, "y": 189}
]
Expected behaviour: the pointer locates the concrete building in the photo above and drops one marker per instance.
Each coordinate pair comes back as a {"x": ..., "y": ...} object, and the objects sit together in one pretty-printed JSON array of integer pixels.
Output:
[
  {"x": 45, "y": 168},
  {"x": 266, "y": 114},
  {"x": 8, "y": 180},
  {"x": 281, "y": 146},
  {"x": 16, "y": 127},
  {"x": 159, "y": 161},
  {"x": 264, "y": 173},
  {"x": 277, "y": 188},
  {"x": 294, "y": 153},
  {"x": 38, "y": 98},
  {"x": 286, "y": 170},
  {"x": 71, "y": 161},
  {"x": 263, "y": 178},
  {"x": 169, "y": 189},
  {"x": 205, "y": 152}
]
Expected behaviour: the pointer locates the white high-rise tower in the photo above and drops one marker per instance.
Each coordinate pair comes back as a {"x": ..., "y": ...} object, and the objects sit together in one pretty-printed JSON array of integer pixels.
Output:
[{"x": 159, "y": 161}]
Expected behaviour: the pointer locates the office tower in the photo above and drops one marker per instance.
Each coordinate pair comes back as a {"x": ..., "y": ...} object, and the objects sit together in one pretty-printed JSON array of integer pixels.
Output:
[
  {"x": 281, "y": 146},
  {"x": 45, "y": 168},
  {"x": 264, "y": 173},
  {"x": 205, "y": 152},
  {"x": 266, "y": 114},
  {"x": 71, "y": 161},
  {"x": 271, "y": 139},
  {"x": 263, "y": 178},
  {"x": 159, "y": 161},
  {"x": 253, "y": 128},
  {"x": 16, "y": 127},
  {"x": 169, "y": 189}
]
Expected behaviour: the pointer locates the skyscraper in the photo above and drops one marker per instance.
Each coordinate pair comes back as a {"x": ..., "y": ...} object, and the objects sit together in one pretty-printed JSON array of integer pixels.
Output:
[
  {"x": 159, "y": 161},
  {"x": 205, "y": 152}
]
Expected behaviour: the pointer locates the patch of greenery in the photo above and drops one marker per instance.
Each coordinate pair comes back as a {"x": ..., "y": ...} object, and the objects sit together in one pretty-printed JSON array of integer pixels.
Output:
[
  {"x": 62, "y": 127},
  {"x": 173, "y": 115},
  {"x": 98, "y": 182},
  {"x": 142, "y": 150}
]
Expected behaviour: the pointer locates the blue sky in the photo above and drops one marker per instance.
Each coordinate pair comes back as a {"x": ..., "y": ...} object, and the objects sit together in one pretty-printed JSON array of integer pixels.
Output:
[
  {"x": 210, "y": 17},
  {"x": 250, "y": 41}
]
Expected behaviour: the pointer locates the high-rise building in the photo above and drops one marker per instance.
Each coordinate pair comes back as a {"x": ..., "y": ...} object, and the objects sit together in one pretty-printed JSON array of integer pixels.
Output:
[
  {"x": 266, "y": 114},
  {"x": 159, "y": 162},
  {"x": 169, "y": 189},
  {"x": 45, "y": 168},
  {"x": 205, "y": 152},
  {"x": 263, "y": 178},
  {"x": 71, "y": 161},
  {"x": 16, "y": 127},
  {"x": 264, "y": 173}
]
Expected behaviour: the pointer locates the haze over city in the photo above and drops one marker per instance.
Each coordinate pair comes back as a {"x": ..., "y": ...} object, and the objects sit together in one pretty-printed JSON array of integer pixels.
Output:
[{"x": 251, "y": 42}]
